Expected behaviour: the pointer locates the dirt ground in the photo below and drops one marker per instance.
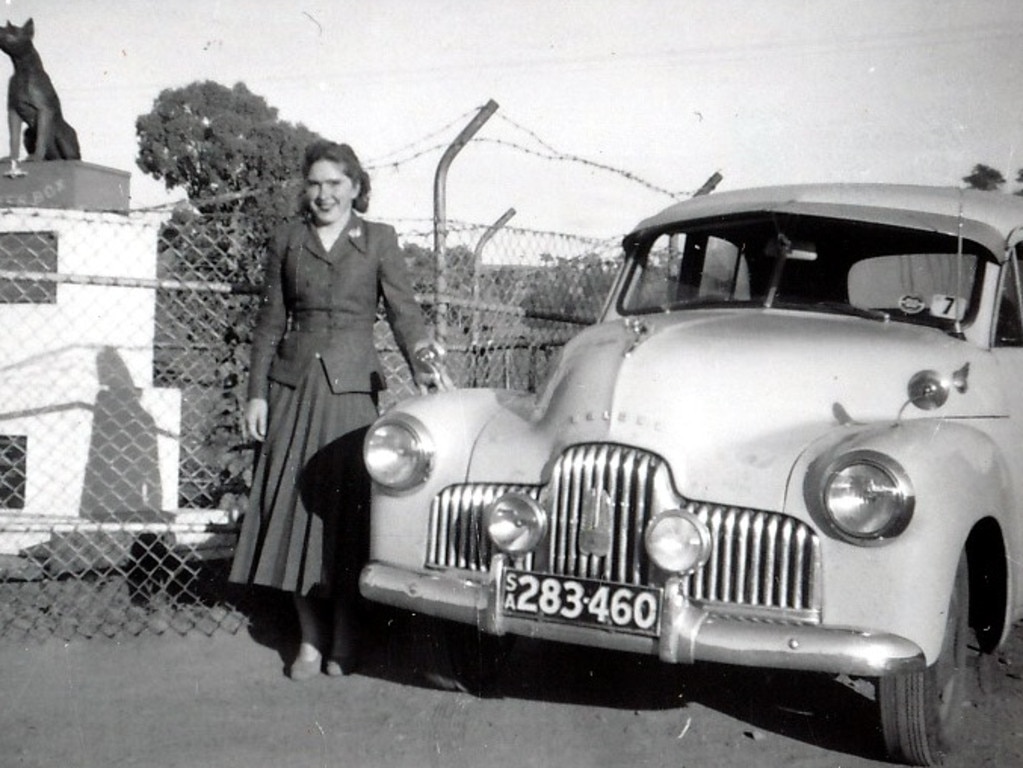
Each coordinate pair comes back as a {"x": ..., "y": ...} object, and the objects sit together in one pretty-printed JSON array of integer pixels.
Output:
[{"x": 223, "y": 702}]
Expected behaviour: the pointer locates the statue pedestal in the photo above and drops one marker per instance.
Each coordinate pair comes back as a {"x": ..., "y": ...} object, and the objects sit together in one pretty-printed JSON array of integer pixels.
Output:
[{"x": 68, "y": 184}]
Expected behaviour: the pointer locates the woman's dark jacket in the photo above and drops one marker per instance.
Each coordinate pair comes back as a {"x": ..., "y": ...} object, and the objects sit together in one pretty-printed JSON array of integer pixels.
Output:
[{"x": 323, "y": 305}]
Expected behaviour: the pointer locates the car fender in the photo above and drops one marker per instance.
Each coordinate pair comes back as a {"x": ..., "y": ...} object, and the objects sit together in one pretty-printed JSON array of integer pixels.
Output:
[
  {"x": 903, "y": 585},
  {"x": 452, "y": 422}
]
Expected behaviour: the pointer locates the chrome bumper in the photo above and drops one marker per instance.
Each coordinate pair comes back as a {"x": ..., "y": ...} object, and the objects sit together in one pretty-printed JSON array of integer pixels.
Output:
[{"x": 688, "y": 633}]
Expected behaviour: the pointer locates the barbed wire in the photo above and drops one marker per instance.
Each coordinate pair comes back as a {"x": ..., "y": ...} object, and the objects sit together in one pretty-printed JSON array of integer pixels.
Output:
[
  {"x": 528, "y": 131},
  {"x": 395, "y": 160},
  {"x": 550, "y": 153},
  {"x": 556, "y": 154},
  {"x": 382, "y": 159},
  {"x": 562, "y": 157},
  {"x": 395, "y": 164},
  {"x": 424, "y": 227}
]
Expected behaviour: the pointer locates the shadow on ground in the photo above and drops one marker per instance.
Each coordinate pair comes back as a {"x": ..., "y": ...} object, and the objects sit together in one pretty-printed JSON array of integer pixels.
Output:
[{"x": 822, "y": 710}]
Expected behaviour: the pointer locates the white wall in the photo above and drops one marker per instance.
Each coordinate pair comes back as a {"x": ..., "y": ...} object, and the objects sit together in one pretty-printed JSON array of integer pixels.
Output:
[{"x": 76, "y": 376}]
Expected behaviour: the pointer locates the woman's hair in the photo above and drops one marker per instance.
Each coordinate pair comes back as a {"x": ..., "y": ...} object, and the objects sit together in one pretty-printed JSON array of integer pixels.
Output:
[{"x": 345, "y": 156}]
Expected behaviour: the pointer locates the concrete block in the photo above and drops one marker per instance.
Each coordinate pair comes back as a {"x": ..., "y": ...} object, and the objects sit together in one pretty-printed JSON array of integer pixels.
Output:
[{"x": 66, "y": 184}]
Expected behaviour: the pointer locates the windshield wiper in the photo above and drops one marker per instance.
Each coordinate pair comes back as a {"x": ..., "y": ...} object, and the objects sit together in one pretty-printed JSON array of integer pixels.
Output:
[
  {"x": 709, "y": 302},
  {"x": 840, "y": 307}
]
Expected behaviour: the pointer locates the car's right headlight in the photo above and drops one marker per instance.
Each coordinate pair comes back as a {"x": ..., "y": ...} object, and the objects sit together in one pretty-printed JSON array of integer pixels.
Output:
[
  {"x": 398, "y": 452},
  {"x": 677, "y": 541},
  {"x": 866, "y": 496}
]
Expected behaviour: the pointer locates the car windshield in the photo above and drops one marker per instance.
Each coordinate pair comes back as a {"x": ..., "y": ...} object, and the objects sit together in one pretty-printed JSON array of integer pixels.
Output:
[{"x": 805, "y": 263}]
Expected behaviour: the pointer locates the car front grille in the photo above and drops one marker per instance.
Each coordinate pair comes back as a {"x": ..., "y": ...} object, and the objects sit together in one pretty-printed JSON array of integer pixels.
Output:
[
  {"x": 456, "y": 537},
  {"x": 762, "y": 564}
]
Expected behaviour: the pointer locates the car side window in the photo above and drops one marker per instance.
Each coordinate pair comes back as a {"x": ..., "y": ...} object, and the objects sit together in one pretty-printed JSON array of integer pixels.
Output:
[{"x": 1008, "y": 328}]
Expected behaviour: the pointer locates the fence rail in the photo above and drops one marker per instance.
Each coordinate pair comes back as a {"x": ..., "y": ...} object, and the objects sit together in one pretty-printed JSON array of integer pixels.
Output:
[{"x": 123, "y": 469}]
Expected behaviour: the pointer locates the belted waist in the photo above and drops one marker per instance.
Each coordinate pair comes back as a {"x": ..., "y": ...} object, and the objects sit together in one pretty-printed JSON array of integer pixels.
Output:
[{"x": 326, "y": 320}]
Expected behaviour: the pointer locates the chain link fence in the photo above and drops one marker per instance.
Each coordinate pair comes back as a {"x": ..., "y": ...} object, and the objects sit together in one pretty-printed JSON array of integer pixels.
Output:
[{"x": 123, "y": 468}]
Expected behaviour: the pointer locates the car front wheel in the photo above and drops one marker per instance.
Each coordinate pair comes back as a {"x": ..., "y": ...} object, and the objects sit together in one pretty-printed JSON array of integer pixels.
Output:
[{"x": 921, "y": 711}]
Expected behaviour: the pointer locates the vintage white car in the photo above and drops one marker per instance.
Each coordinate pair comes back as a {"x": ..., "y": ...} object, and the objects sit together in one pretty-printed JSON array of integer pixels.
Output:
[{"x": 793, "y": 440}]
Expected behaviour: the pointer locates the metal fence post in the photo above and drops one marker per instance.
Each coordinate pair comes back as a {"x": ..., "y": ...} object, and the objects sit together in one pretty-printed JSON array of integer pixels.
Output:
[{"x": 440, "y": 226}]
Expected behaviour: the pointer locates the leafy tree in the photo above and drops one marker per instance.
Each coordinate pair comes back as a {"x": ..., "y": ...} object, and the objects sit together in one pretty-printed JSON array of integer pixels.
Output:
[
  {"x": 984, "y": 177},
  {"x": 226, "y": 147}
]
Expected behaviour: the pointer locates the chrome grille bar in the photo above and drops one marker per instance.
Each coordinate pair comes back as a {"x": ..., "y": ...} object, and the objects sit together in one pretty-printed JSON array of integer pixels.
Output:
[
  {"x": 623, "y": 477},
  {"x": 762, "y": 564},
  {"x": 456, "y": 537},
  {"x": 759, "y": 559}
]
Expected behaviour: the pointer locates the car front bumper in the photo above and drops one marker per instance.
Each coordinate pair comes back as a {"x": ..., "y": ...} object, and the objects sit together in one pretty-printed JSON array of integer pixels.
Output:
[{"x": 687, "y": 633}]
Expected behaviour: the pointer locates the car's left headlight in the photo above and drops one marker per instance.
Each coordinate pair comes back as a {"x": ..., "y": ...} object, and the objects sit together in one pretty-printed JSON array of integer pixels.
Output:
[
  {"x": 398, "y": 452},
  {"x": 866, "y": 496},
  {"x": 515, "y": 523}
]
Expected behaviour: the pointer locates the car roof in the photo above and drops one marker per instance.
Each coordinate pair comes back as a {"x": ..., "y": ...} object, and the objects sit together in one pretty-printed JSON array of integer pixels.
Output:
[{"x": 994, "y": 219}]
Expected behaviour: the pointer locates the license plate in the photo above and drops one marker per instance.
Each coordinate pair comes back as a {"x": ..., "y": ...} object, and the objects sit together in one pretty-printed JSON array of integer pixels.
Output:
[{"x": 581, "y": 601}]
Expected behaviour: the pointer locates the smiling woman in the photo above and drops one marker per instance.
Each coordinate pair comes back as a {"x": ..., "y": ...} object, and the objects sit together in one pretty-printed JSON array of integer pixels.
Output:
[{"x": 313, "y": 386}]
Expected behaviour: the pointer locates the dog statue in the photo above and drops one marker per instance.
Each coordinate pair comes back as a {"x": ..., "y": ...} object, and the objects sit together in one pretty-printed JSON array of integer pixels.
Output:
[{"x": 32, "y": 99}]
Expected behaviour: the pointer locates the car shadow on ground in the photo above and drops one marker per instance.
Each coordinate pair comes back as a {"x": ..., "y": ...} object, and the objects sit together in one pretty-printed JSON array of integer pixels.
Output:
[
  {"x": 828, "y": 712},
  {"x": 840, "y": 716},
  {"x": 836, "y": 714}
]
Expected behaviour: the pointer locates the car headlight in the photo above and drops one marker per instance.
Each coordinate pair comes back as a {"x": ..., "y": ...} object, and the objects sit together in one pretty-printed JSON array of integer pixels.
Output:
[
  {"x": 515, "y": 523},
  {"x": 398, "y": 453},
  {"x": 867, "y": 496},
  {"x": 677, "y": 541}
]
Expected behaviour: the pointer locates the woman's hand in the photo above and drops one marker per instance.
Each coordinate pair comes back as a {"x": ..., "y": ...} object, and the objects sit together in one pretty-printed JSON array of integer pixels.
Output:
[
  {"x": 429, "y": 370},
  {"x": 255, "y": 418}
]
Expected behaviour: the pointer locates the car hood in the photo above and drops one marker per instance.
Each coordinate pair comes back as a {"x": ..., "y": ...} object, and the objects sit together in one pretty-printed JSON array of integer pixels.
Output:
[{"x": 729, "y": 397}]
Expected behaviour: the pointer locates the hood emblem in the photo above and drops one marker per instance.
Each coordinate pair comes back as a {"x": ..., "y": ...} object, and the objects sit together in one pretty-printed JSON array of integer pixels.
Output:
[
  {"x": 640, "y": 330},
  {"x": 595, "y": 523}
]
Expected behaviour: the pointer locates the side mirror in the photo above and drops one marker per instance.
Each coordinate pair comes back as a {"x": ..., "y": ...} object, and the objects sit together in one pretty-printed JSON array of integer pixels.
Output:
[{"x": 927, "y": 390}]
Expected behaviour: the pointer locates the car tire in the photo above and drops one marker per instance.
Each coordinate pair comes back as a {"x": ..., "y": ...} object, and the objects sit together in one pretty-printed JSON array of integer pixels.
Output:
[{"x": 921, "y": 711}]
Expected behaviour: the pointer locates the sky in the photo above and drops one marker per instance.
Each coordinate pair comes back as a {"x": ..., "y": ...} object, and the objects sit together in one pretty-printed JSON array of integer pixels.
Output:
[{"x": 607, "y": 109}]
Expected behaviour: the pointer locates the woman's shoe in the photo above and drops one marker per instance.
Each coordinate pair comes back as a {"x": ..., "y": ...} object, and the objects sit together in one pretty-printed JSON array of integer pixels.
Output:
[
  {"x": 303, "y": 669},
  {"x": 343, "y": 666}
]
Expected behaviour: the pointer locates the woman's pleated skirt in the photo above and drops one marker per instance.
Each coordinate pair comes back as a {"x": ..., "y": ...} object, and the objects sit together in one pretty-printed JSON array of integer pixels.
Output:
[{"x": 307, "y": 526}]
